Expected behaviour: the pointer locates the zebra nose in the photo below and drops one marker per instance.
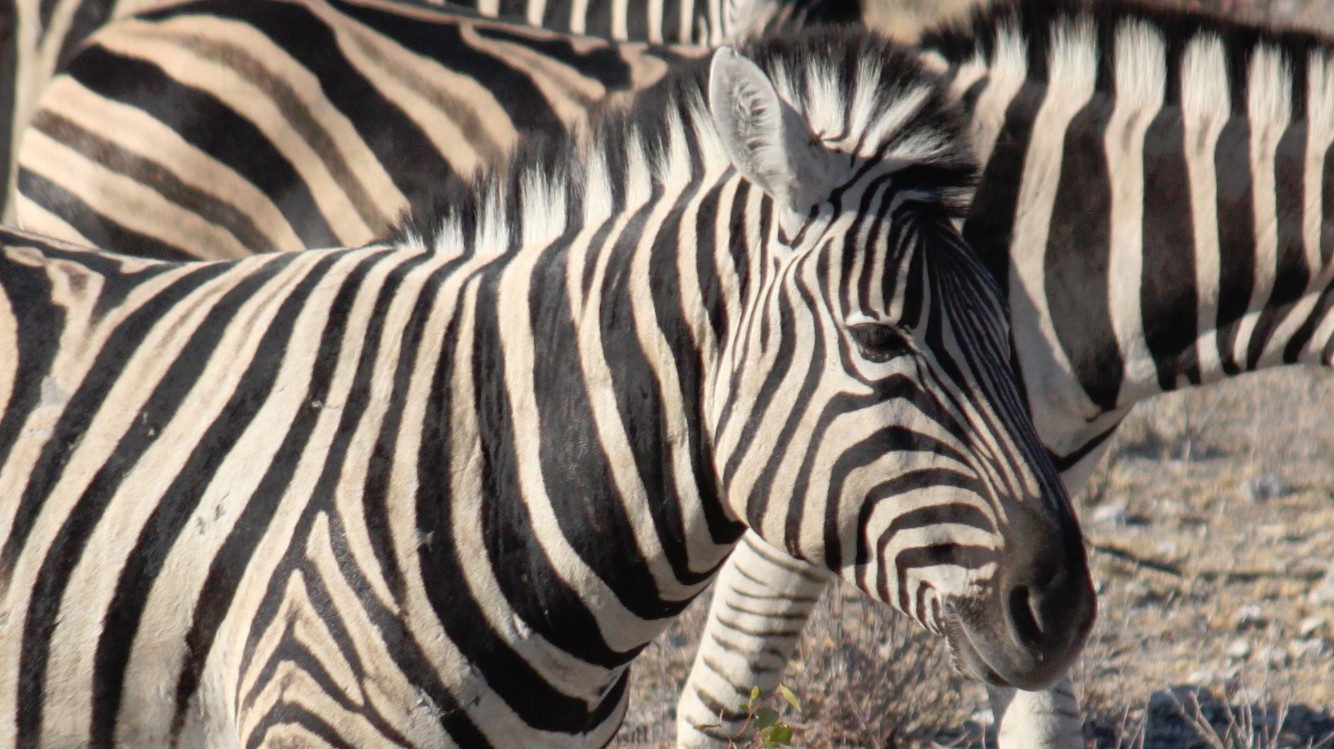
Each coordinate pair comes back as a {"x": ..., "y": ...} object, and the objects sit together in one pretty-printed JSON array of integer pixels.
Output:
[{"x": 1049, "y": 611}]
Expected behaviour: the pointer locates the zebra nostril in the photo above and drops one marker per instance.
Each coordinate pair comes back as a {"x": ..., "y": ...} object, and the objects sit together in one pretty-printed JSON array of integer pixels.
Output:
[{"x": 1025, "y": 616}]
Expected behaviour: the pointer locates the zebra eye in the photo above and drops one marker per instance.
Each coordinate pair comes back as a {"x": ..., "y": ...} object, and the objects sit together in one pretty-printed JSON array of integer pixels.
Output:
[{"x": 879, "y": 342}]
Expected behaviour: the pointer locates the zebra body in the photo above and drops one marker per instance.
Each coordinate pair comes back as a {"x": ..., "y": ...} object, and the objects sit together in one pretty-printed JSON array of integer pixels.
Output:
[
  {"x": 36, "y": 40},
  {"x": 1157, "y": 198},
  {"x": 698, "y": 22},
  {"x": 203, "y": 122},
  {"x": 40, "y": 37},
  {"x": 344, "y": 497}
]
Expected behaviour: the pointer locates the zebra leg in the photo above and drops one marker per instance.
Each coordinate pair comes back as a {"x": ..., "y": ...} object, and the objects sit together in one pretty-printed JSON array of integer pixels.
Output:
[
  {"x": 1037, "y": 720},
  {"x": 761, "y": 601}
]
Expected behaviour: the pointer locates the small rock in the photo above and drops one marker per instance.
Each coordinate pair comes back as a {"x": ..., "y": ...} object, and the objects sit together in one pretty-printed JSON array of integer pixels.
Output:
[
  {"x": 1310, "y": 625},
  {"x": 1169, "y": 699},
  {"x": 1248, "y": 696},
  {"x": 1249, "y": 617},
  {"x": 1113, "y": 515},
  {"x": 1323, "y": 592},
  {"x": 982, "y": 717},
  {"x": 1265, "y": 487},
  {"x": 1275, "y": 656},
  {"x": 1239, "y": 649},
  {"x": 1310, "y": 647}
]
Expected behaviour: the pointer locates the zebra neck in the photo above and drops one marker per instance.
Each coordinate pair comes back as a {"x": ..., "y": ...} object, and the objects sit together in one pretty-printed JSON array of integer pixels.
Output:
[
  {"x": 1158, "y": 197},
  {"x": 583, "y": 362}
]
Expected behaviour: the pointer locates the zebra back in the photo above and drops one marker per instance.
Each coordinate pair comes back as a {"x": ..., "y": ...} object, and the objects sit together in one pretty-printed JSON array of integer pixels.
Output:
[
  {"x": 405, "y": 98},
  {"x": 36, "y": 40}
]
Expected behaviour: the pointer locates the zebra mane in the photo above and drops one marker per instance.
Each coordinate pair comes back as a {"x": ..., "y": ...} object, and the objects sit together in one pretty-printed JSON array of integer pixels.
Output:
[
  {"x": 1036, "y": 22},
  {"x": 854, "y": 88}
]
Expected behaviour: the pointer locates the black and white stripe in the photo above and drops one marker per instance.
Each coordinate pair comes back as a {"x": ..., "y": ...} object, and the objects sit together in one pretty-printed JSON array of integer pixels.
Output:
[
  {"x": 700, "y": 22},
  {"x": 37, "y": 38},
  {"x": 441, "y": 491},
  {"x": 202, "y": 125}
]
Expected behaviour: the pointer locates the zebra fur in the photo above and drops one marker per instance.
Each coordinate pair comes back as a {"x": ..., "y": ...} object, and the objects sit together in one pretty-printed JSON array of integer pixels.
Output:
[
  {"x": 408, "y": 97},
  {"x": 36, "y": 40},
  {"x": 343, "y": 497}
]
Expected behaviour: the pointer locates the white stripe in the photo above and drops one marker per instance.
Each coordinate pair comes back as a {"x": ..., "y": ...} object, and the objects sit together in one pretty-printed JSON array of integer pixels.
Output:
[
  {"x": 1206, "y": 108},
  {"x": 1006, "y": 76},
  {"x": 1048, "y": 374},
  {"x": 1269, "y": 109},
  {"x": 1141, "y": 73}
]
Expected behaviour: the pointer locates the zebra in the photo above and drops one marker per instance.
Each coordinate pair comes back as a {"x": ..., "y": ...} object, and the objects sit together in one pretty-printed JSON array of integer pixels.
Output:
[
  {"x": 990, "y": 72},
  {"x": 275, "y": 162},
  {"x": 703, "y": 23},
  {"x": 343, "y": 497},
  {"x": 37, "y": 39},
  {"x": 1163, "y": 219}
]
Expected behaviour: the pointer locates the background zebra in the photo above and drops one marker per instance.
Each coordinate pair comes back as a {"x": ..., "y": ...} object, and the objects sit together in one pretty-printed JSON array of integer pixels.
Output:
[
  {"x": 274, "y": 161},
  {"x": 1003, "y": 79},
  {"x": 37, "y": 38},
  {"x": 229, "y": 480}
]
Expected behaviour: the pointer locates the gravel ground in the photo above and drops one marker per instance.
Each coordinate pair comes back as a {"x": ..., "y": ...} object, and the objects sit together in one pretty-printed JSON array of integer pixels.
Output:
[{"x": 1210, "y": 525}]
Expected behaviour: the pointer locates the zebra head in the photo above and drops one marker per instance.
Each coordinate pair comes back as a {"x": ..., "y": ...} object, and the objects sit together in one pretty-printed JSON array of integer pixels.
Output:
[{"x": 864, "y": 412}]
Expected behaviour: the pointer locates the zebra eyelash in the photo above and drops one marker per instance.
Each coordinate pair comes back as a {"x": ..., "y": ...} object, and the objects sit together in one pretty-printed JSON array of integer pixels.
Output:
[{"x": 880, "y": 342}]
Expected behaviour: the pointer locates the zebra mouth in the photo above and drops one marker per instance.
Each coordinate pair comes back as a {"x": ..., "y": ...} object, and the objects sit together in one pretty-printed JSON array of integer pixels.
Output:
[{"x": 964, "y": 656}]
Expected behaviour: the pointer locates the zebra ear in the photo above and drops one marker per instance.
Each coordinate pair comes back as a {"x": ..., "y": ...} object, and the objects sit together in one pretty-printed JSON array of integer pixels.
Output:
[{"x": 768, "y": 140}]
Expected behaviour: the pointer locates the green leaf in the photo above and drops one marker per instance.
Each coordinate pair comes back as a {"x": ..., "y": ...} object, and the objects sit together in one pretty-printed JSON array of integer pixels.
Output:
[
  {"x": 789, "y": 696},
  {"x": 781, "y": 734},
  {"x": 754, "y": 693},
  {"x": 765, "y": 717}
]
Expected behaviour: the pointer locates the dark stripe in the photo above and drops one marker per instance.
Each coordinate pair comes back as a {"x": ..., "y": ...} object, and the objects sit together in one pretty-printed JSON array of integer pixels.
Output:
[
  {"x": 1070, "y": 460},
  {"x": 213, "y": 208},
  {"x": 36, "y": 342},
  {"x": 66, "y": 550},
  {"x": 1236, "y": 235},
  {"x": 9, "y": 65},
  {"x": 100, "y": 230},
  {"x": 1168, "y": 297},
  {"x": 989, "y": 228},
  {"x": 577, "y": 474},
  {"x": 1291, "y": 272},
  {"x": 514, "y": 554},
  {"x": 210, "y": 125},
  {"x": 1077, "y": 256},
  {"x": 1327, "y": 208}
]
